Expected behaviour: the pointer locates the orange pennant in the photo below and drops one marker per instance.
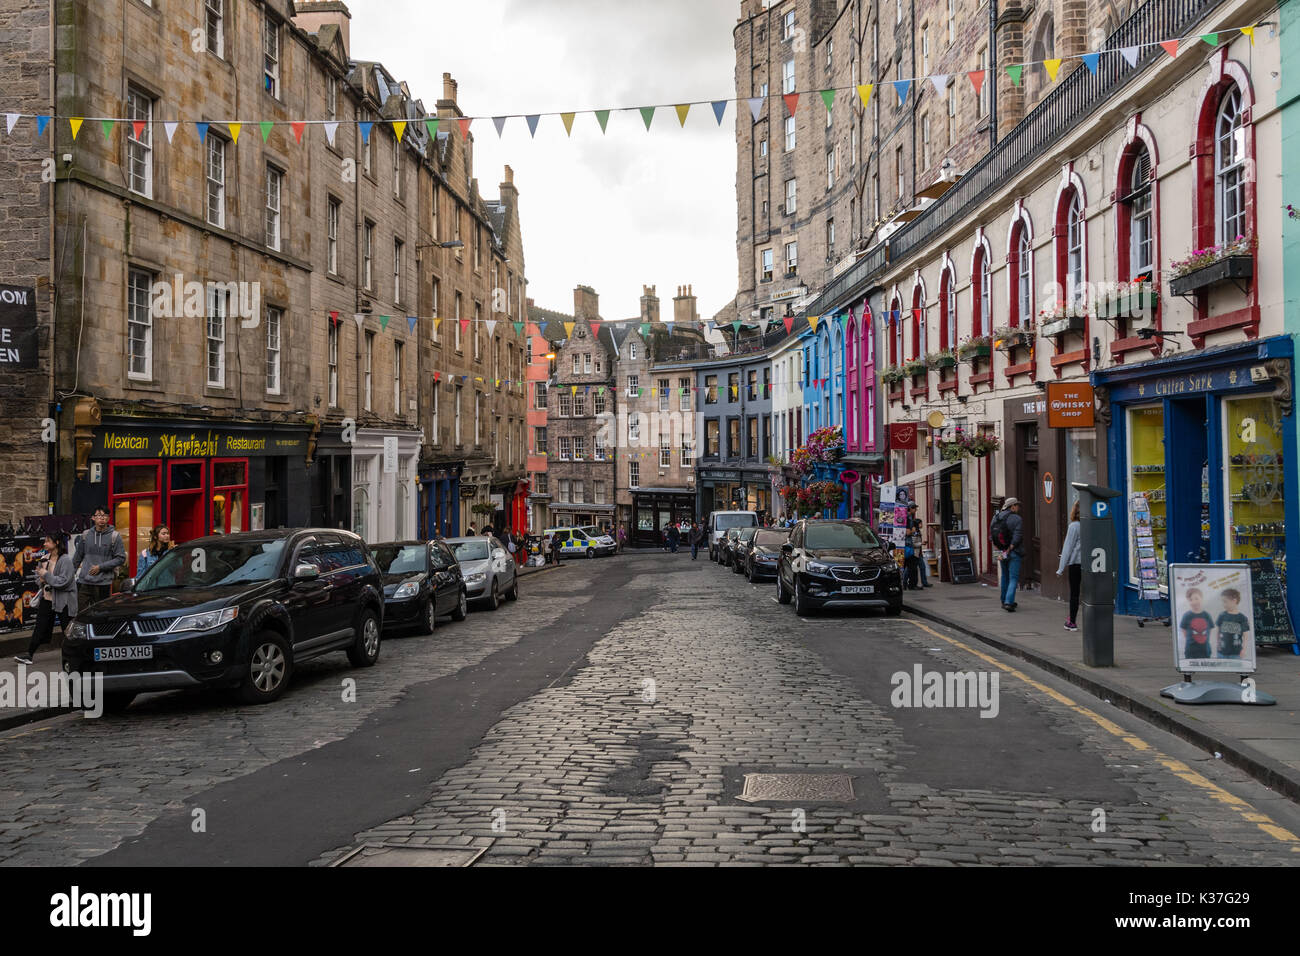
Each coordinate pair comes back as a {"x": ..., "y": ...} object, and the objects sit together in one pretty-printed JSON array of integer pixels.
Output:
[
  {"x": 1170, "y": 47},
  {"x": 298, "y": 129}
]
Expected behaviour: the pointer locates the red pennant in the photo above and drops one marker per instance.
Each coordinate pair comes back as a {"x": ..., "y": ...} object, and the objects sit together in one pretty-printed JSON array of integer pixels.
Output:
[
  {"x": 789, "y": 324},
  {"x": 916, "y": 314},
  {"x": 976, "y": 80},
  {"x": 1170, "y": 47},
  {"x": 464, "y": 122},
  {"x": 464, "y": 326},
  {"x": 138, "y": 126},
  {"x": 436, "y": 376},
  {"x": 334, "y": 319},
  {"x": 298, "y": 129},
  {"x": 791, "y": 102}
]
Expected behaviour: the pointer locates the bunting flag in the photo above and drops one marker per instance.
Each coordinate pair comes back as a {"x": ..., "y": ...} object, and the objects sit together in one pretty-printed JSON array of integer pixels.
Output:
[
  {"x": 789, "y": 324},
  {"x": 265, "y": 127},
  {"x": 532, "y": 124},
  {"x": 812, "y": 320},
  {"x": 1052, "y": 67},
  {"x": 568, "y": 122},
  {"x": 500, "y": 123},
  {"x": 383, "y": 321},
  {"x": 108, "y": 126},
  {"x": 464, "y": 326},
  {"x": 541, "y": 328},
  {"x": 647, "y": 114},
  {"x": 137, "y": 127},
  {"x": 682, "y": 109},
  {"x": 940, "y": 81},
  {"x": 332, "y": 128},
  {"x": 519, "y": 327},
  {"x": 431, "y": 124},
  {"x": 828, "y": 97},
  {"x": 399, "y": 128},
  {"x": 201, "y": 127},
  {"x": 1170, "y": 47},
  {"x": 1250, "y": 34},
  {"x": 976, "y": 78},
  {"x": 234, "y": 129},
  {"x": 719, "y": 108},
  {"x": 75, "y": 123},
  {"x": 602, "y": 117},
  {"x": 334, "y": 319},
  {"x": 491, "y": 327},
  {"x": 297, "y": 126},
  {"x": 568, "y": 329},
  {"x": 791, "y": 102},
  {"x": 411, "y": 322},
  {"x": 1211, "y": 38},
  {"x": 437, "y": 321},
  {"x": 463, "y": 122},
  {"x": 902, "y": 86},
  {"x": 644, "y": 329},
  {"x": 669, "y": 323},
  {"x": 359, "y": 318},
  {"x": 735, "y": 327},
  {"x": 755, "y": 107},
  {"x": 365, "y": 131},
  {"x": 864, "y": 93},
  {"x": 437, "y": 376},
  {"x": 41, "y": 123},
  {"x": 1014, "y": 72},
  {"x": 10, "y": 120},
  {"x": 1130, "y": 53},
  {"x": 1090, "y": 60}
]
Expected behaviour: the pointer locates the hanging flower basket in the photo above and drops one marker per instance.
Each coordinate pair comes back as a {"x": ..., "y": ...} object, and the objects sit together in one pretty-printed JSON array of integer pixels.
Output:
[
  {"x": 483, "y": 508},
  {"x": 965, "y": 444},
  {"x": 824, "y": 446}
]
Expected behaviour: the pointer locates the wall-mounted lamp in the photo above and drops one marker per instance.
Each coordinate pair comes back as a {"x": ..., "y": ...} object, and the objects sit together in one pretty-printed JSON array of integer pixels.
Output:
[{"x": 1096, "y": 349}]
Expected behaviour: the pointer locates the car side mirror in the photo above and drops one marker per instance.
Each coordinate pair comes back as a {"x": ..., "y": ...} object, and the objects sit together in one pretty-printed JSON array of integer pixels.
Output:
[
  {"x": 306, "y": 572},
  {"x": 787, "y": 548},
  {"x": 128, "y": 585}
]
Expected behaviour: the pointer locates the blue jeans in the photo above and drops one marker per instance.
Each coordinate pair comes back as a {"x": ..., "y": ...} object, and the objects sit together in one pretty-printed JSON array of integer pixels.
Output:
[
  {"x": 695, "y": 550},
  {"x": 1010, "y": 577},
  {"x": 925, "y": 572}
]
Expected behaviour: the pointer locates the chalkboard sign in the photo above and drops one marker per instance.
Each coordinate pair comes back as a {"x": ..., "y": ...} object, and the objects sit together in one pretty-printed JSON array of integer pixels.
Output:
[
  {"x": 961, "y": 561},
  {"x": 1272, "y": 620}
]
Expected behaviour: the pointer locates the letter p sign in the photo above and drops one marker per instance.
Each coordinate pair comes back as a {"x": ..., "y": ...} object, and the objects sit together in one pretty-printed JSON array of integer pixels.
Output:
[{"x": 1100, "y": 509}]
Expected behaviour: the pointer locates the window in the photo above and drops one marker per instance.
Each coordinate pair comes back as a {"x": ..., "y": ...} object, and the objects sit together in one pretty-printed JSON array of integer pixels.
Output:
[
  {"x": 633, "y": 386},
  {"x": 710, "y": 389},
  {"x": 751, "y": 384},
  {"x": 598, "y": 448},
  {"x": 216, "y": 176},
  {"x": 599, "y": 403},
  {"x": 791, "y": 258},
  {"x": 947, "y": 311},
  {"x": 982, "y": 292},
  {"x": 830, "y": 53},
  {"x": 634, "y": 474},
  {"x": 1230, "y": 169},
  {"x": 331, "y": 97},
  {"x": 579, "y": 405},
  {"x": 711, "y": 438},
  {"x": 139, "y": 326},
  {"x": 564, "y": 489},
  {"x": 274, "y": 317},
  {"x": 790, "y": 137},
  {"x": 271, "y": 55},
  {"x": 952, "y": 113},
  {"x": 900, "y": 185},
  {"x": 767, "y": 263},
  {"x": 586, "y": 363},
  {"x": 579, "y": 446},
  {"x": 368, "y": 371},
  {"x": 688, "y": 453},
  {"x": 334, "y": 366},
  {"x": 1021, "y": 269},
  {"x": 983, "y": 98},
  {"x": 565, "y": 404},
  {"x": 435, "y": 436},
  {"x": 579, "y": 492},
  {"x": 456, "y": 421},
  {"x": 478, "y": 327},
  {"x": 665, "y": 452},
  {"x": 925, "y": 141},
  {"x": 434, "y": 289},
  {"x": 787, "y": 77},
  {"x": 478, "y": 418},
  {"x": 791, "y": 200},
  {"x": 566, "y": 448},
  {"x": 830, "y": 170},
  {"x": 456, "y": 323},
  {"x": 733, "y": 387},
  {"x": 1141, "y": 237},
  {"x": 787, "y": 26},
  {"x": 539, "y": 397},
  {"x": 139, "y": 146},
  {"x": 1074, "y": 226},
  {"x": 398, "y": 349},
  {"x": 274, "y": 182},
  {"x": 478, "y": 247},
  {"x": 925, "y": 49},
  {"x": 332, "y": 239},
  {"x": 762, "y": 147},
  {"x": 663, "y": 394},
  {"x": 633, "y": 427},
  {"x": 367, "y": 255},
  {"x": 539, "y": 440},
  {"x": 952, "y": 21},
  {"x": 214, "y": 26},
  {"x": 365, "y": 150},
  {"x": 830, "y": 238},
  {"x": 399, "y": 248},
  {"x": 540, "y": 483},
  {"x": 684, "y": 392},
  {"x": 898, "y": 17},
  {"x": 600, "y": 493},
  {"x": 752, "y": 430},
  {"x": 399, "y": 184},
  {"x": 733, "y": 437},
  {"x": 217, "y": 310}
]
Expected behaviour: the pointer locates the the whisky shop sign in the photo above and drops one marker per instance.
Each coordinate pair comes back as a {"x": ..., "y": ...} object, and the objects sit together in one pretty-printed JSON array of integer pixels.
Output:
[{"x": 115, "y": 442}]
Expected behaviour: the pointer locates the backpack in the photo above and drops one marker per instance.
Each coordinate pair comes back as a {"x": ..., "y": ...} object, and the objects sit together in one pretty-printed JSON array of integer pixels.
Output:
[{"x": 999, "y": 532}]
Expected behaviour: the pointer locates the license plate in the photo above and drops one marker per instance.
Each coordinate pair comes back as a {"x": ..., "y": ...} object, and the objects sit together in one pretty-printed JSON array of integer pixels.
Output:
[
  {"x": 858, "y": 589},
  {"x": 129, "y": 652}
]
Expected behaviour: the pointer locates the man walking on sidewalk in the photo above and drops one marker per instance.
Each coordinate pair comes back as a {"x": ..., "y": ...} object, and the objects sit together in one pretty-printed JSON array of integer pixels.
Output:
[
  {"x": 98, "y": 555},
  {"x": 1006, "y": 535},
  {"x": 697, "y": 538}
]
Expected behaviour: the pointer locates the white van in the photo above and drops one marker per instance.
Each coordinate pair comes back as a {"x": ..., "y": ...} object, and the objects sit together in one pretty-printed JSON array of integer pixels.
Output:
[{"x": 720, "y": 522}]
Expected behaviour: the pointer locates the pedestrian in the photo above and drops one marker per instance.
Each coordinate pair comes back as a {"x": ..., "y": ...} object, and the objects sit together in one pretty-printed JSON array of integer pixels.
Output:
[
  {"x": 697, "y": 539},
  {"x": 1006, "y": 534},
  {"x": 1071, "y": 561},
  {"x": 557, "y": 544},
  {"x": 58, "y": 596},
  {"x": 470, "y": 532},
  {"x": 622, "y": 537},
  {"x": 160, "y": 542},
  {"x": 674, "y": 538},
  {"x": 98, "y": 555},
  {"x": 915, "y": 525},
  {"x": 911, "y": 573},
  {"x": 512, "y": 546}
]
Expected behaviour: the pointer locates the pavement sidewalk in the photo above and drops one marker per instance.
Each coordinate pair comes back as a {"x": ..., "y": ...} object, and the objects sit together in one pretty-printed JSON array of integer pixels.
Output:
[{"x": 1263, "y": 741}]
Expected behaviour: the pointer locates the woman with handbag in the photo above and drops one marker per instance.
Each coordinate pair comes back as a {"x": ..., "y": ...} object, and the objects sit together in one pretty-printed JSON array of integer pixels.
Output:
[{"x": 58, "y": 595}]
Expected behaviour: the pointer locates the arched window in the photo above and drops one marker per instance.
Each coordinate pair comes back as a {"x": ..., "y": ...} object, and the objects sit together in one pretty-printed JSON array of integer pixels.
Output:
[
  {"x": 986, "y": 295},
  {"x": 981, "y": 292},
  {"x": 896, "y": 352},
  {"x": 1021, "y": 262},
  {"x": 918, "y": 322},
  {"x": 1229, "y": 168},
  {"x": 1141, "y": 224},
  {"x": 947, "y": 310},
  {"x": 1074, "y": 226}
]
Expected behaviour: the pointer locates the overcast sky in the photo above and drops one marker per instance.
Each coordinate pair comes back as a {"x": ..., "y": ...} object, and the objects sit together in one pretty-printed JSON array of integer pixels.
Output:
[{"x": 615, "y": 211}]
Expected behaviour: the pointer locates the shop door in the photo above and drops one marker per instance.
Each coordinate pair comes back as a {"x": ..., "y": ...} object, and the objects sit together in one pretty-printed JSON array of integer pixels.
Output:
[
  {"x": 134, "y": 502},
  {"x": 950, "y": 499},
  {"x": 1027, "y": 492},
  {"x": 229, "y": 495},
  {"x": 644, "y": 532},
  {"x": 1187, "y": 431},
  {"x": 186, "y": 501}
]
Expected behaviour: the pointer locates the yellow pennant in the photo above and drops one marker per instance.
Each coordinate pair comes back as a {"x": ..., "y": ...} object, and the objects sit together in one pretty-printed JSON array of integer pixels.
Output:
[
  {"x": 399, "y": 127},
  {"x": 812, "y": 320},
  {"x": 75, "y": 123},
  {"x": 436, "y": 322},
  {"x": 568, "y": 122},
  {"x": 682, "y": 110},
  {"x": 1053, "y": 67},
  {"x": 568, "y": 330},
  {"x": 1250, "y": 34},
  {"x": 234, "y": 131},
  {"x": 864, "y": 91},
  {"x": 573, "y": 390}
]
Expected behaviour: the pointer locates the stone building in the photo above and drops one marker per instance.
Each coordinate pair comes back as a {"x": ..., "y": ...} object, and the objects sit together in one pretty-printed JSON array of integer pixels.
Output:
[{"x": 546, "y": 330}]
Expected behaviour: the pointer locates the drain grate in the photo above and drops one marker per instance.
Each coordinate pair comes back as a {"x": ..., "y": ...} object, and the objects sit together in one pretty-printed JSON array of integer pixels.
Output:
[
  {"x": 387, "y": 854},
  {"x": 804, "y": 787}
]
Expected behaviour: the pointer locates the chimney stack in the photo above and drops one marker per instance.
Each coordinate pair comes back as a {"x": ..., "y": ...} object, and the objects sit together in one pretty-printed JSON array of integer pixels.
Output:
[
  {"x": 684, "y": 306},
  {"x": 447, "y": 105},
  {"x": 310, "y": 15},
  {"x": 586, "y": 304},
  {"x": 649, "y": 304}
]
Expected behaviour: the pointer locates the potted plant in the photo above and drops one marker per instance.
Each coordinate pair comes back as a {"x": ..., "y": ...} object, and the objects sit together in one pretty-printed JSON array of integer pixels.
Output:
[
  {"x": 1135, "y": 300},
  {"x": 1212, "y": 265},
  {"x": 913, "y": 368},
  {"x": 1061, "y": 318},
  {"x": 941, "y": 360},
  {"x": 977, "y": 346},
  {"x": 1008, "y": 337},
  {"x": 891, "y": 375},
  {"x": 964, "y": 444}
]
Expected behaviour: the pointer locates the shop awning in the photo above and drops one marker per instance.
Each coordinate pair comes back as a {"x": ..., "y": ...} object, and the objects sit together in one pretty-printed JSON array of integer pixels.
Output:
[{"x": 925, "y": 472}]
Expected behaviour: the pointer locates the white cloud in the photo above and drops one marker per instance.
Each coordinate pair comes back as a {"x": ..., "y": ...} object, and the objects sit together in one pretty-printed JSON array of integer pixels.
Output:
[{"x": 614, "y": 211}]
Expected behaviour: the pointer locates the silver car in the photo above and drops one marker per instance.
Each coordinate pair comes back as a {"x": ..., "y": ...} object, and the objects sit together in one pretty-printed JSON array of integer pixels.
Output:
[{"x": 489, "y": 571}]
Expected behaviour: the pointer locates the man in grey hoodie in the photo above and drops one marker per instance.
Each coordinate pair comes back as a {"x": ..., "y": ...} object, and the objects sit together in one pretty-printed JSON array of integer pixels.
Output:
[{"x": 98, "y": 555}]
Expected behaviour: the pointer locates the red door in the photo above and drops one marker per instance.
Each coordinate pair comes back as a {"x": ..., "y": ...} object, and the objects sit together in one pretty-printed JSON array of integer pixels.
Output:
[
  {"x": 134, "y": 501},
  {"x": 186, "y": 500}
]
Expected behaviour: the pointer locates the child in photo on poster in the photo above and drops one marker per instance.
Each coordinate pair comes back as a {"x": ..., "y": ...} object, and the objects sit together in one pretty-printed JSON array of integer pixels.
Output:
[
  {"x": 1233, "y": 627},
  {"x": 1195, "y": 626}
]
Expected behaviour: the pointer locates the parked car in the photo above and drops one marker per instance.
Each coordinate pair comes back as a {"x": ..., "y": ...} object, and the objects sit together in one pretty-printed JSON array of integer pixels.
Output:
[
  {"x": 576, "y": 542},
  {"x": 763, "y": 552},
  {"x": 721, "y": 521},
  {"x": 422, "y": 581},
  {"x": 489, "y": 571},
  {"x": 725, "y": 544},
  {"x": 236, "y": 610},
  {"x": 740, "y": 548},
  {"x": 837, "y": 563}
]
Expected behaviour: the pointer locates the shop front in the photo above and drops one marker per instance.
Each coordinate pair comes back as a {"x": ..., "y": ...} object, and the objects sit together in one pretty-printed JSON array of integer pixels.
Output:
[
  {"x": 654, "y": 509},
  {"x": 440, "y": 491},
  {"x": 569, "y": 514},
  {"x": 1208, "y": 443},
  {"x": 384, "y": 498},
  {"x": 735, "y": 489},
  {"x": 196, "y": 478}
]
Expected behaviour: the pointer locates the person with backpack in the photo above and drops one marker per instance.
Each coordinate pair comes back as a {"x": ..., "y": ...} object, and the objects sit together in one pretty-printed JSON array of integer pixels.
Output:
[{"x": 1007, "y": 537}]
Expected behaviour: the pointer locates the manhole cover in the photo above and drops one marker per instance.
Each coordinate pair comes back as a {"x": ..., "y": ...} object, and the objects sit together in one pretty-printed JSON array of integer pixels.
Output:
[
  {"x": 806, "y": 787},
  {"x": 382, "y": 854}
]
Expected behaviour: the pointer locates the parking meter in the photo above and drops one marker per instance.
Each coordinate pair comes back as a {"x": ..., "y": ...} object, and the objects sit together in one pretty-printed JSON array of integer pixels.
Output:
[{"x": 1097, "y": 559}]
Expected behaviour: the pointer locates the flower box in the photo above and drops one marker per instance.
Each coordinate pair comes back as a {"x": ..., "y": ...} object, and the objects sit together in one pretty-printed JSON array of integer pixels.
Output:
[
  {"x": 942, "y": 361},
  {"x": 914, "y": 368},
  {"x": 1015, "y": 338},
  {"x": 1133, "y": 305},
  {"x": 1067, "y": 323},
  {"x": 1222, "y": 270},
  {"x": 980, "y": 350}
]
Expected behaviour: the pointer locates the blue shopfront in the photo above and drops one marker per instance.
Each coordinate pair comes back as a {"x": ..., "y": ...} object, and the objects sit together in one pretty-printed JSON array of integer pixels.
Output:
[
  {"x": 1209, "y": 442},
  {"x": 440, "y": 515}
]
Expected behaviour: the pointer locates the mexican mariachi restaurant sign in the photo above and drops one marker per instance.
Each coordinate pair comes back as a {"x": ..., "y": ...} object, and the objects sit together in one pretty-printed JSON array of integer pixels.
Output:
[{"x": 115, "y": 442}]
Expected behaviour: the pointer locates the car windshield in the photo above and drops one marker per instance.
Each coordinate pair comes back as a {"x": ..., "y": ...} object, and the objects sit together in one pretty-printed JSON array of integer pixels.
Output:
[
  {"x": 747, "y": 533},
  {"x": 400, "y": 558},
  {"x": 723, "y": 522},
  {"x": 771, "y": 539},
  {"x": 591, "y": 531},
  {"x": 835, "y": 535},
  {"x": 472, "y": 551},
  {"x": 211, "y": 565}
]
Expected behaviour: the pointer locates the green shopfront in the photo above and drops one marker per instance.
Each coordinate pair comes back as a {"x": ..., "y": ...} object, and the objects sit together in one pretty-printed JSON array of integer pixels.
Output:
[{"x": 1209, "y": 441}]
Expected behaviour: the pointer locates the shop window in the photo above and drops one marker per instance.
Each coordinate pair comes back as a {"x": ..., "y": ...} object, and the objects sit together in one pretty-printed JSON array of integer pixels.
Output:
[
  {"x": 1254, "y": 499},
  {"x": 1146, "y": 474},
  {"x": 135, "y": 504},
  {"x": 229, "y": 495}
]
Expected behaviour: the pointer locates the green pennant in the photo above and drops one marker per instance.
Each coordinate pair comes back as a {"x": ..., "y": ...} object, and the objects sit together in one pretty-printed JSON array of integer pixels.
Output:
[
  {"x": 383, "y": 321},
  {"x": 519, "y": 327},
  {"x": 1014, "y": 72},
  {"x": 265, "y": 126},
  {"x": 645, "y": 329},
  {"x": 1211, "y": 38},
  {"x": 432, "y": 126},
  {"x": 108, "y": 128},
  {"x": 602, "y": 117},
  {"x": 828, "y": 97},
  {"x": 735, "y": 327},
  {"x": 647, "y": 114}
]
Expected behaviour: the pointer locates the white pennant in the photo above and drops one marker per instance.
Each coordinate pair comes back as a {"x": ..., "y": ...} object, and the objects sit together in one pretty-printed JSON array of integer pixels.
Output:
[
  {"x": 755, "y": 106},
  {"x": 10, "y": 120},
  {"x": 170, "y": 129},
  {"x": 360, "y": 318},
  {"x": 1130, "y": 53},
  {"x": 330, "y": 130},
  {"x": 940, "y": 82},
  {"x": 491, "y": 326}
]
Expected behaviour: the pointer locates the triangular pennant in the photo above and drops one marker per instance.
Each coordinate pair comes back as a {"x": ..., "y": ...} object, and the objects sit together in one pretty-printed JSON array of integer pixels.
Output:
[
  {"x": 864, "y": 93},
  {"x": 399, "y": 128},
  {"x": 519, "y": 327},
  {"x": 265, "y": 127},
  {"x": 383, "y": 321},
  {"x": 10, "y": 120},
  {"x": 682, "y": 109},
  {"x": 170, "y": 130},
  {"x": 602, "y": 117},
  {"x": 902, "y": 86},
  {"x": 541, "y": 328},
  {"x": 644, "y": 329},
  {"x": 359, "y": 318},
  {"x": 844, "y": 321},
  {"x": 298, "y": 128},
  {"x": 976, "y": 78},
  {"x": 201, "y": 127},
  {"x": 1211, "y": 38},
  {"x": 436, "y": 322},
  {"x": 940, "y": 81},
  {"x": 437, "y": 376},
  {"x": 75, "y": 123},
  {"x": 719, "y": 108},
  {"x": 647, "y": 114},
  {"x": 334, "y": 318},
  {"x": 464, "y": 329},
  {"x": 791, "y": 102},
  {"x": 1052, "y": 67},
  {"x": 365, "y": 131},
  {"x": 41, "y": 123},
  {"x": 669, "y": 323},
  {"x": 431, "y": 124},
  {"x": 1130, "y": 53},
  {"x": 107, "y": 126},
  {"x": 463, "y": 122},
  {"x": 828, "y": 97},
  {"x": 568, "y": 122},
  {"x": 1170, "y": 47},
  {"x": 234, "y": 132},
  {"x": 1250, "y": 34},
  {"x": 568, "y": 330},
  {"x": 330, "y": 130},
  {"x": 532, "y": 123},
  {"x": 1014, "y": 72},
  {"x": 1090, "y": 60},
  {"x": 812, "y": 320},
  {"x": 411, "y": 322},
  {"x": 500, "y": 123},
  {"x": 491, "y": 326},
  {"x": 755, "y": 106},
  {"x": 735, "y": 327},
  {"x": 137, "y": 127}
]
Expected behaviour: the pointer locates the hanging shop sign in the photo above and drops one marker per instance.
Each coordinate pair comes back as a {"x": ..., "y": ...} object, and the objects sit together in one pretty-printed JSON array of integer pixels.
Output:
[
  {"x": 112, "y": 441},
  {"x": 1070, "y": 405},
  {"x": 902, "y": 436}
]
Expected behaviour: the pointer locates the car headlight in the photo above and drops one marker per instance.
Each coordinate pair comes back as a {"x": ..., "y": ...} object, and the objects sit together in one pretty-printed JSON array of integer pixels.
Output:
[
  {"x": 205, "y": 621},
  {"x": 76, "y": 631},
  {"x": 407, "y": 589},
  {"x": 475, "y": 577},
  {"x": 816, "y": 567}
]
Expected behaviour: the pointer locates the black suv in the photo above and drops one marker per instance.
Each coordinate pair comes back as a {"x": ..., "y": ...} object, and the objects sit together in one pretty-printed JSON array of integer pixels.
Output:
[
  {"x": 837, "y": 564},
  {"x": 235, "y": 610}
]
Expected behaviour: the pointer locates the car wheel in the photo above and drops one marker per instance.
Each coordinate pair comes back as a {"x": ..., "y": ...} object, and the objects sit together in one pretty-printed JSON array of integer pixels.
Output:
[
  {"x": 737, "y": 568},
  {"x": 513, "y": 593},
  {"x": 749, "y": 573},
  {"x": 591, "y": 552},
  {"x": 894, "y": 610},
  {"x": 494, "y": 599},
  {"x": 801, "y": 606},
  {"x": 365, "y": 650},
  {"x": 462, "y": 607},
  {"x": 429, "y": 620},
  {"x": 267, "y": 673},
  {"x": 119, "y": 701},
  {"x": 782, "y": 596}
]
